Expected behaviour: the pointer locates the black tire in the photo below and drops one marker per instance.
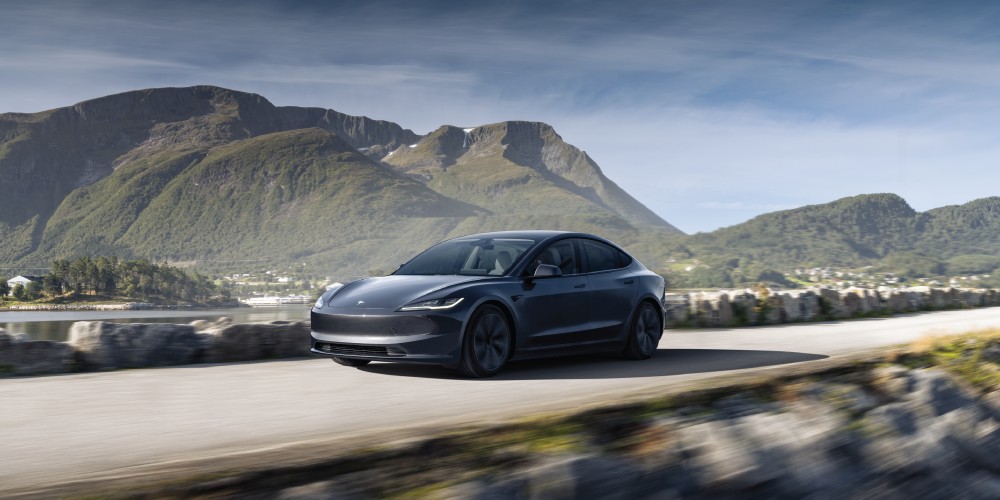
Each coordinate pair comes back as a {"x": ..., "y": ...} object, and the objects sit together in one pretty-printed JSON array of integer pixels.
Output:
[
  {"x": 647, "y": 328},
  {"x": 487, "y": 344},
  {"x": 351, "y": 362}
]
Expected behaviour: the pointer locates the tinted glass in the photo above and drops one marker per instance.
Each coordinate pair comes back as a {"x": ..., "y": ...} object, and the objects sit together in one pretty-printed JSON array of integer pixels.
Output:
[
  {"x": 469, "y": 257},
  {"x": 600, "y": 257},
  {"x": 560, "y": 254},
  {"x": 623, "y": 259}
]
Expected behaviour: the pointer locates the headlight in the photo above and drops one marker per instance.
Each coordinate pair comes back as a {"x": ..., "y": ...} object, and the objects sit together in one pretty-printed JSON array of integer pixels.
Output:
[
  {"x": 432, "y": 305},
  {"x": 319, "y": 303}
]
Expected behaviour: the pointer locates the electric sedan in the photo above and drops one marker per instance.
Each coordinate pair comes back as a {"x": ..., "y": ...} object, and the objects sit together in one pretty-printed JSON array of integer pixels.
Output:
[{"x": 475, "y": 302}]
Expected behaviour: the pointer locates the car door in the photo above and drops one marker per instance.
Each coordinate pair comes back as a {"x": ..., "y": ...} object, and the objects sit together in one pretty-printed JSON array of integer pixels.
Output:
[
  {"x": 613, "y": 288},
  {"x": 553, "y": 309}
]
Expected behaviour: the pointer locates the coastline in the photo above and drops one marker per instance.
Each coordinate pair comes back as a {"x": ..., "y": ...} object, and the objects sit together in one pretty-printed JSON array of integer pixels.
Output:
[{"x": 124, "y": 306}]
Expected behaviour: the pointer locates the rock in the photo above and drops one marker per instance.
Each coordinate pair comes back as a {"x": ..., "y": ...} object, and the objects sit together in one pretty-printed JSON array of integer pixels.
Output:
[
  {"x": 937, "y": 393},
  {"x": 992, "y": 353},
  {"x": 200, "y": 325},
  {"x": 108, "y": 346},
  {"x": 252, "y": 341},
  {"x": 846, "y": 397},
  {"x": 831, "y": 303},
  {"x": 37, "y": 357},
  {"x": 314, "y": 491},
  {"x": 720, "y": 459},
  {"x": 891, "y": 382},
  {"x": 895, "y": 418},
  {"x": 577, "y": 476}
]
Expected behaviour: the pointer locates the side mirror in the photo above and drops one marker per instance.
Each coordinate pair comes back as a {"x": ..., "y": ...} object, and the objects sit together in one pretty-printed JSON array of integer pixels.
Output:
[{"x": 547, "y": 271}]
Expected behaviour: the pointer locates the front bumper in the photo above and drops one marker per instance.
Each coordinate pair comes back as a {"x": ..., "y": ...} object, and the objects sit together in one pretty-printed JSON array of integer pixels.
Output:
[{"x": 387, "y": 336}]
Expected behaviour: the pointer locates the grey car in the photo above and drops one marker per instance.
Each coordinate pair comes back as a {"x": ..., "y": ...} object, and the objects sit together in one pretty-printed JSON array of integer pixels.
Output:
[{"x": 475, "y": 302}]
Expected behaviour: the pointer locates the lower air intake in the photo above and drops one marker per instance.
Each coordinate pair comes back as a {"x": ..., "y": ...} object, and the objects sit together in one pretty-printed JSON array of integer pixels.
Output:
[{"x": 355, "y": 349}]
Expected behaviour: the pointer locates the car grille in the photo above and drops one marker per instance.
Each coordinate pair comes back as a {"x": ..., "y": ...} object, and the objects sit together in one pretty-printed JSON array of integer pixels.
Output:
[
  {"x": 372, "y": 325},
  {"x": 357, "y": 350}
]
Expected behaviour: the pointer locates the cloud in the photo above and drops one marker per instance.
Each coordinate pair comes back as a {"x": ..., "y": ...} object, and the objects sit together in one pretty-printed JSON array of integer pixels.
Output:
[{"x": 708, "y": 112}]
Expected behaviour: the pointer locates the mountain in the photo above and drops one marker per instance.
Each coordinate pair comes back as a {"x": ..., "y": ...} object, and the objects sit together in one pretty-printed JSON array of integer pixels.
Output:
[
  {"x": 872, "y": 229},
  {"x": 210, "y": 174}
]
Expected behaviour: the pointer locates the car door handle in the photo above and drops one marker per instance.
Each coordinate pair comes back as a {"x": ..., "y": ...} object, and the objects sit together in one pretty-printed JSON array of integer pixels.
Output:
[
  {"x": 629, "y": 282},
  {"x": 581, "y": 285}
]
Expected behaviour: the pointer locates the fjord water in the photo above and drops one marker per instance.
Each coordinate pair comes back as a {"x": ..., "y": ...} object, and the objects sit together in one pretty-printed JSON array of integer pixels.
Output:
[{"x": 55, "y": 325}]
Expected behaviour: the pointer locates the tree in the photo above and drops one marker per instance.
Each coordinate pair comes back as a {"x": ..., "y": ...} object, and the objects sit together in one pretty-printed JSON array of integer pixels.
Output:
[
  {"x": 4, "y": 289},
  {"x": 33, "y": 291},
  {"x": 60, "y": 269},
  {"x": 51, "y": 284},
  {"x": 19, "y": 291}
]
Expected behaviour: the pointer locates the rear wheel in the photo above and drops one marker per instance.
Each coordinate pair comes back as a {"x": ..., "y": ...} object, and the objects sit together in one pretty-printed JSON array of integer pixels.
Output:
[
  {"x": 487, "y": 342},
  {"x": 351, "y": 362},
  {"x": 647, "y": 328}
]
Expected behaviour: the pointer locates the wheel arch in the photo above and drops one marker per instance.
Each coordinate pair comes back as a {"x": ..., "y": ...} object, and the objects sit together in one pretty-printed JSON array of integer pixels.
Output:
[{"x": 505, "y": 308}]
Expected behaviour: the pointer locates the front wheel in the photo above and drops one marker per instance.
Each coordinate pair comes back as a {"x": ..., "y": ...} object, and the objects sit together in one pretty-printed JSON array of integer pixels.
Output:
[
  {"x": 351, "y": 362},
  {"x": 487, "y": 342},
  {"x": 647, "y": 328}
]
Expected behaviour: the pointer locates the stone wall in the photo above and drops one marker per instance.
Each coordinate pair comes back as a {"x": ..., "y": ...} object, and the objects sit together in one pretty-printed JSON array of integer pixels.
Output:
[
  {"x": 748, "y": 307},
  {"x": 100, "y": 345}
]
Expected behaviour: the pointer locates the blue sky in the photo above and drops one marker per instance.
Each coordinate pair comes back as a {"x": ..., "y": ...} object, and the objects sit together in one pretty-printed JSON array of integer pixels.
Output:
[{"x": 709, "y": 112}]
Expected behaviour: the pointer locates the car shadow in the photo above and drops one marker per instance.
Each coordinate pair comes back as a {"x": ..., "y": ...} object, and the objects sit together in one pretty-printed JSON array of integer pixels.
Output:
[{"x": 605, "y": 366}]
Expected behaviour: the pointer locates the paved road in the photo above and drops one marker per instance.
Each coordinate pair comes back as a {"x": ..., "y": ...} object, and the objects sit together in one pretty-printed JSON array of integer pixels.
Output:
[{"x": 62, "y": 427}]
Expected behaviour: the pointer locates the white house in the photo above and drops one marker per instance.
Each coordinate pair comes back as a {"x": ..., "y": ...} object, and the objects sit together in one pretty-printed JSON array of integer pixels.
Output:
[{"x": 23, "y": 280}]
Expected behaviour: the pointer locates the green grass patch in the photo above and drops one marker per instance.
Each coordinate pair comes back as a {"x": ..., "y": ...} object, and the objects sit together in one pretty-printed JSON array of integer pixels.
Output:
[{"x": 974, "y": 357}]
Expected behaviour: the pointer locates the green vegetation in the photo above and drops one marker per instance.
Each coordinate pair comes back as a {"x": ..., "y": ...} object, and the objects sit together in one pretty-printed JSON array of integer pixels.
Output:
[
  {"x": 878, "y": 230},
  {"x": 974, "y": 356},
  {"x": 110, "y": 279},
  {"x": 216, "y": 178}
]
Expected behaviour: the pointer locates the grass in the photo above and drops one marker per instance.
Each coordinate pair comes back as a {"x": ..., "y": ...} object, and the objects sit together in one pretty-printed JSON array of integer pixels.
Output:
[{"x": 964, "y": 355}]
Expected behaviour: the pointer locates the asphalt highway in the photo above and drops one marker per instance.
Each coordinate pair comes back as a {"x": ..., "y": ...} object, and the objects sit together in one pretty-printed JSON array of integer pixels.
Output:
[{"x": 61, "y": 428}]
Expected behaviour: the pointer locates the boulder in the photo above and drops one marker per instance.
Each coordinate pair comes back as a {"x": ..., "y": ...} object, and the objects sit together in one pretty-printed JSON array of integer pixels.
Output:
[
  {"x": 251, "y": 341},
  {"x": 108, "y": 346},
  {"x": 33, "y": 357}
]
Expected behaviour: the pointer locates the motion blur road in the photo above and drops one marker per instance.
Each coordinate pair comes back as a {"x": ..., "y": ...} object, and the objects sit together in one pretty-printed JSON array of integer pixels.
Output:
[{"x": 59, "y": 428}]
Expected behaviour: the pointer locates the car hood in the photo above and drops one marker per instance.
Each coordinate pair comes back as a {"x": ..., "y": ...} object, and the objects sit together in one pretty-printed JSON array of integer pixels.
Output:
[{"x": 392, "y": 292}]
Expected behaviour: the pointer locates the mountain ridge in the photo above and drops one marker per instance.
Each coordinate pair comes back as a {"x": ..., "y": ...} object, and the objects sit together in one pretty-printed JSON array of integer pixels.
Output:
[{"x": 119, "y": 175}]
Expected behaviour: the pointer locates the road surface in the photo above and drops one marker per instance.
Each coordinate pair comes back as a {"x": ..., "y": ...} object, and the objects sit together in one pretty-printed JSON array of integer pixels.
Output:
[{"x": 59, "y": 428}]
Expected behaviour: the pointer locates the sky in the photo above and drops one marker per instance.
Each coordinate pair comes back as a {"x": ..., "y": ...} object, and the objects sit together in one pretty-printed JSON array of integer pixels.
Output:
[{"x": 708, "y": 112}]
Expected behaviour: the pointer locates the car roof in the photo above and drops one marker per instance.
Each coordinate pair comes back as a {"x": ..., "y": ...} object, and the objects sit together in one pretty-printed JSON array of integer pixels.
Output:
[{"x": 535, "y": 234}]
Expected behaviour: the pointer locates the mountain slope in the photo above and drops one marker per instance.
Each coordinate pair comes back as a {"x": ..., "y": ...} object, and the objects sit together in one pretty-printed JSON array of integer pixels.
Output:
[
  {"x": 485, "y": 163},
  {"x": 874, "y": 229},
  {"x": 849, "y": 231},
  {"x": 205, "y": 173}
]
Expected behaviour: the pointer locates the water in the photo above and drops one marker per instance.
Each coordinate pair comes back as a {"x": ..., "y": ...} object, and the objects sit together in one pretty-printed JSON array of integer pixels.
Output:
[{"x": 54, "y": 325}]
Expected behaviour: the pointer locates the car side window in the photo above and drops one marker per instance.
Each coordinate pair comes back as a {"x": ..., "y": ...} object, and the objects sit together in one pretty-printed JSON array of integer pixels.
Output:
[
  {"x": 601, "y": 257},
  {"x": 560, "y": 254}
]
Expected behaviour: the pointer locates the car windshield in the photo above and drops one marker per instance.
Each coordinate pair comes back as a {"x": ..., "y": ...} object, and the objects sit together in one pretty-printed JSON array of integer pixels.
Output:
[{"x": 469, "y": 257}]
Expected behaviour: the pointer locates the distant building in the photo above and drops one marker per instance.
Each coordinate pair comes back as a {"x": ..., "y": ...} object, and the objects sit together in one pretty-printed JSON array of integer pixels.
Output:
[
  {"x": 277, "y": 301},
  {"x": 23, "y": 280}
]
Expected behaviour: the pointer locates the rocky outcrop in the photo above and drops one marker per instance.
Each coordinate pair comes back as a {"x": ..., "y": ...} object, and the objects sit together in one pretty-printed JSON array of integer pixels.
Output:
[
  {"x": 250, "y": 341},
  {"x": 749, "y": 307},
  {"x": 108, "y": 346},
  {"x": 864, "y": 432},
  {"x": 100, "y": 345},
  {"x": 20, "y": 356}
]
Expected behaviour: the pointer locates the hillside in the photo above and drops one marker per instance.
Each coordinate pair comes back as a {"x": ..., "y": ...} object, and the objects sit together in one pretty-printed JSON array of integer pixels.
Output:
[
  {"x": 879, "y": 230},
  {"x": 210, "y": 174},
  {"x": 205, "y": 174}
]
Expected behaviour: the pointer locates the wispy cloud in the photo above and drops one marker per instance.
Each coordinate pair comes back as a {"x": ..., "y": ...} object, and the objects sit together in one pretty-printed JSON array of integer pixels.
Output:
[{"x": 727, "y": 107}]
